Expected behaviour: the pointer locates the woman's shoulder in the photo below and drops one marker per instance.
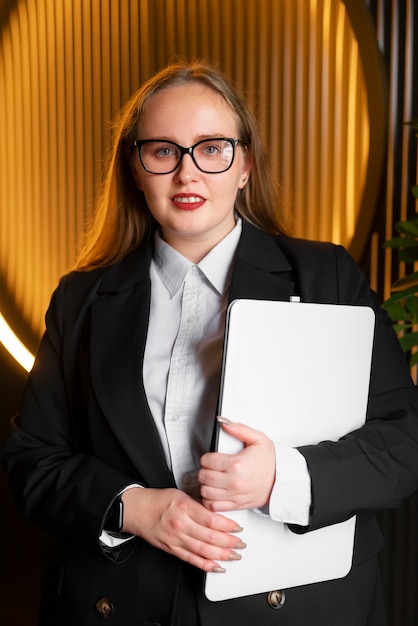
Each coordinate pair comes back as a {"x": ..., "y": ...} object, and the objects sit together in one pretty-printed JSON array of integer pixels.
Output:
[
  {"x": 77, "y": 290},
  {"x": 293, "y": 245},
  {"x": 79, "y": 282},
  {"x": 299, "y": 246},
  {"x": 130, "y": 269},
  {"x": 325, "y": 271},
  {"x": 319, "y": 255}
]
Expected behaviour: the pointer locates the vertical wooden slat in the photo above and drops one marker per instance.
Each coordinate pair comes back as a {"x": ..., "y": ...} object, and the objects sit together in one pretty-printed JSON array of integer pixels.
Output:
[
  {"x": 393, "y": 101},
  {"x": 4, "y": 172},
  {"x": 407, "y": 111},
  {"x": 76, "y": 119},
  {"x": 68, "y": 149},
  {"x": 13, "y": 133},
  {"x": 106, "y": 54},
  {"x": 86, "y": 135},
  {"x": 98, "y": 122},
  {"x": 28, "y": 17},
  {"x": 327, "y": 111},
  {"x": 20, "y": 232},
  {"x": 55, "y": 228},
  {"x": 283, "y": 109},
  {"x": 301, "y": 191},
  {"x": 314, "y": 122},
  {"x": 142, "y": 44},
  {"x": 352, "y": 146},
  {"x": 61, "y": 138},
  {"x": 338, "y": 129}
]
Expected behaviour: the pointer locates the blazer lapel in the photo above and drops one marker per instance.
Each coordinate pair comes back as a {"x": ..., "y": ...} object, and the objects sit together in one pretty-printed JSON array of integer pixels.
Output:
[
  {"x": 262, "y": 272},
  {"x": 119, "y": 329}
]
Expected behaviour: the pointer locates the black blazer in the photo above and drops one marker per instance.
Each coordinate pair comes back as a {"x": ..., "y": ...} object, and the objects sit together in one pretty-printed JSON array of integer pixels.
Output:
[{"x": 85, "y": 431}]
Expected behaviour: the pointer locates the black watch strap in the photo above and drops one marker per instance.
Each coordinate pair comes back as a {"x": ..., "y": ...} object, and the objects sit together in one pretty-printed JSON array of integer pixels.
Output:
[{"x": 114, "y": 518}]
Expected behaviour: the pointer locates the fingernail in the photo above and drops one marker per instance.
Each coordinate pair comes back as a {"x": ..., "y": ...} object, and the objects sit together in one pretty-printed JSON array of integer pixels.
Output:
[
  {"x": 233, "y": 556},
  {"x": 224, "y": 420},
  {"x": 240, "y": 545},
  {"x": 218, "y": 570},
  {"x": 237, "y": 529}
]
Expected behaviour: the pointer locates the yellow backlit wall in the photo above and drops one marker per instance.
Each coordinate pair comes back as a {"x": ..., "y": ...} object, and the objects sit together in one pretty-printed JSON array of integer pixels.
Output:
[{"x": 66, "y": 66}]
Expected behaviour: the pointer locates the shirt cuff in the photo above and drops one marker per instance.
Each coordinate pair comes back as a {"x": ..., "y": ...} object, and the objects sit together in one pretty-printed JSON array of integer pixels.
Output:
[{"x": 290, "y": 499}]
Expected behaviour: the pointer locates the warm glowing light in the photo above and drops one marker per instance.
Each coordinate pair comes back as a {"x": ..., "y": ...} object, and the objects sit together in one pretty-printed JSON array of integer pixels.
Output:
[{"x": 13, "y": 345}]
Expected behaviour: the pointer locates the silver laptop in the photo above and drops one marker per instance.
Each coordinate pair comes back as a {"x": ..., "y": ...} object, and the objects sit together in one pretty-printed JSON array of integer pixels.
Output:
[{"x": 300, "y": 373}]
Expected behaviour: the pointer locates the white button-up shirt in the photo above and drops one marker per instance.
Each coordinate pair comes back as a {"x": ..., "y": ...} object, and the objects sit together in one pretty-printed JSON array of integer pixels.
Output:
[{"x": 183, "y": 353}]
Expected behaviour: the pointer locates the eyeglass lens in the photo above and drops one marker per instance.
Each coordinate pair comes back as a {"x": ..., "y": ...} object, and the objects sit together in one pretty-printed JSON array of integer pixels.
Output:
[{"x": 212, "y": 155}]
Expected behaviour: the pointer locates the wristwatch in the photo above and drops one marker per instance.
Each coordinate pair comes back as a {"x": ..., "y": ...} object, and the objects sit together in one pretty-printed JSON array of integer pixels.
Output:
[{"x": 114, "y": 518}]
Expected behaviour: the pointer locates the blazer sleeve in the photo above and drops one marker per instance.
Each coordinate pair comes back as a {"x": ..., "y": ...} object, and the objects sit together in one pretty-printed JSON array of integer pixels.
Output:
[
  {"x": 375, "y": 467},
  {"x": 56, "y": 483}
]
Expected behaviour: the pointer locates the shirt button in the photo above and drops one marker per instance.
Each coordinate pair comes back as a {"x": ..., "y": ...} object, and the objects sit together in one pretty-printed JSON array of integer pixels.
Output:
[
  {"x": 191, "y": 319},
  {"x": 175, "y": 418}
]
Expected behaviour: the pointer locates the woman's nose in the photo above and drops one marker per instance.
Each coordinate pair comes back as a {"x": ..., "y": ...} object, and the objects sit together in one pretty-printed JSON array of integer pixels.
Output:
[{"x": 187, "y": 170}]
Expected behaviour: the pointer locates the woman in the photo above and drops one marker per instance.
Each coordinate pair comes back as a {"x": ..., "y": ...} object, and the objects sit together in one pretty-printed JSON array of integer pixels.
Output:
[{"x": 110, "y": 451}]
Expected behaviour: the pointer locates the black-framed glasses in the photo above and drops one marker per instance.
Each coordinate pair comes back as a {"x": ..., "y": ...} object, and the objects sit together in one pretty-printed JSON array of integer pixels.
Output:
[{"x": 211, "y": 156}]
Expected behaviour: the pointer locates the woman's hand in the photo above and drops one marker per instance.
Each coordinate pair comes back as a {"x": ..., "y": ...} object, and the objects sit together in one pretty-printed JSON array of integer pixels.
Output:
[
  {"x": 172, "y": 521},
  {"x": 239, "y": 481}
]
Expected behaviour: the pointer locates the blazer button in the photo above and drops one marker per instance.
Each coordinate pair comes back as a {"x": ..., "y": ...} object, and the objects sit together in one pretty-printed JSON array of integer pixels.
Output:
[
  {"x": 105, "y": 608},
  {"x": 276, "y": 599}
]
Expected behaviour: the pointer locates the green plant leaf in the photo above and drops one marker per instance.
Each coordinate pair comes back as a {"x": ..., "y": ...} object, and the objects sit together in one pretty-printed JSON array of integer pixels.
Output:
[
  {"x": 401, "y": 242},
  {"x": 414, "y": 190},
  {"x": 413, "y": 123},
  {"x": 408, "y": 255},
  {"x": 412, "y": 305},
  {"x": 400, "y": 328},
  {"x": 408, "y": 227},
  {"x": 408, "y": 341},
  {"x": 413, "y": 360},
  {"x": 401, "y": 295},
  {"x": 396, "y": 311},
  {"x": 407, "y": 281}
]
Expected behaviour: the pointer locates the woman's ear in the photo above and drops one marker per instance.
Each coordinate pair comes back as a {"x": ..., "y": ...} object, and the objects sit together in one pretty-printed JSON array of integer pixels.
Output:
[
  {"x": 133, "y": 164},
  {"x": 135, "y": 174},
  {"x": 245, "y": 172},
  {"x": 136, "y": 178}
]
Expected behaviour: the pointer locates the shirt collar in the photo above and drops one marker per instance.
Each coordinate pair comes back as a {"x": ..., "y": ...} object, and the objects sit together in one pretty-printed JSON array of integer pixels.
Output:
[{"x": 216, "y": 265}]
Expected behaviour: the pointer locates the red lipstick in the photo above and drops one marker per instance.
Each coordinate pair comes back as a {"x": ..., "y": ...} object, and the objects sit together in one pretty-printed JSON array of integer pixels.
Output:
[{"x": 187, "y": 201}]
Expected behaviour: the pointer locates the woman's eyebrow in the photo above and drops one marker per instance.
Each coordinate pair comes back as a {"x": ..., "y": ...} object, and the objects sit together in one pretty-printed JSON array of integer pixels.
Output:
[{"x": 197, "y": 138}]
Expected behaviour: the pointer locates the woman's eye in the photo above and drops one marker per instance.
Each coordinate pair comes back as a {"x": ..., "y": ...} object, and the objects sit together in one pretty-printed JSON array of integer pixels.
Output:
[
  {"x": 211, "y": 149},
  {"x": 164, "y": 151}
]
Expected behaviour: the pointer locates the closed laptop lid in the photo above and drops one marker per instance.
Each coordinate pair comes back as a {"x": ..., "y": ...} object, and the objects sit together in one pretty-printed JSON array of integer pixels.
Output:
[{"x": 300, "y": 373}]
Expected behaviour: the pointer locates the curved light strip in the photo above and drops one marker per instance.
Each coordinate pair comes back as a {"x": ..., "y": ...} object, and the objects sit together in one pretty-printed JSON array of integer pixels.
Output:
[{"x": 14, "y": 346}]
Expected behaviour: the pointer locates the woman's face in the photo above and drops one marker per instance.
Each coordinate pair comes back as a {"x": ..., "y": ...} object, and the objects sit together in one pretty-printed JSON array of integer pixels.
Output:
[{"x": 195, "y": 210}]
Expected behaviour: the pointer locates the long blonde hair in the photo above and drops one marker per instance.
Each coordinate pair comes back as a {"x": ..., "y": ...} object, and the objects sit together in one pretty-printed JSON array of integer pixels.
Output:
[{"x": 122, "y": 219}]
